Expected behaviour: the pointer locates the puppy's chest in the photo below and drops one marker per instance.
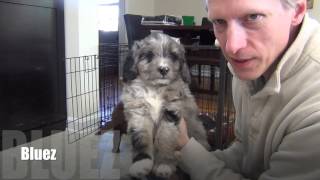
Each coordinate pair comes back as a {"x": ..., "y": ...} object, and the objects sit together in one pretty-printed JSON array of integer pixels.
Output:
[{"x": 155, "y": 102}]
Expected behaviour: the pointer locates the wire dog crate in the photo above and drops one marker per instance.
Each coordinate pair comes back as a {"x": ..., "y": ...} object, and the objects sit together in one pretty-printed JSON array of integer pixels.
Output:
[
  {"x": 82, "y": 75},
  {"x": 92, "y": 90},
  {"x": 111, "y": 58},
  {"x": 211, "y": 86},
  {"x": 214, "y": 103}
]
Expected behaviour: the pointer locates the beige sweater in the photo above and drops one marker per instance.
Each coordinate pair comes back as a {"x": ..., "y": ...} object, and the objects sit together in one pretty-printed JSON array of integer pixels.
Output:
[{"x": 278, "y": 127}]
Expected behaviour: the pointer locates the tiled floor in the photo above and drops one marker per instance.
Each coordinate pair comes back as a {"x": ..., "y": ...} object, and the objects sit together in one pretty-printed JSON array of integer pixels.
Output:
[{"x": 88, "y": 158}]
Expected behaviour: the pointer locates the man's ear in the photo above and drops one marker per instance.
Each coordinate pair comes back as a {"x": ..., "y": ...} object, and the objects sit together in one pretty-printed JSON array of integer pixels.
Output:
[{"x": 299, "y": 12}]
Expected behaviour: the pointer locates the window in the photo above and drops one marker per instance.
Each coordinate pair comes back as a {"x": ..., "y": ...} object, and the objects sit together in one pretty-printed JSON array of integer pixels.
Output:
[{"x": 108, "y": 14}]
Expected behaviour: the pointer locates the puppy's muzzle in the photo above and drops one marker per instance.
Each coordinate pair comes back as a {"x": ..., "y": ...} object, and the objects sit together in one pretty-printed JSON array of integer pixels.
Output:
[{"x": 163, "y": 70}]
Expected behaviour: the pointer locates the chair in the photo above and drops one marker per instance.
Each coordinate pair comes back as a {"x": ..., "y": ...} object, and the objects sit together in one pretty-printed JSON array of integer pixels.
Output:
[{"x": 135, "y": 31}]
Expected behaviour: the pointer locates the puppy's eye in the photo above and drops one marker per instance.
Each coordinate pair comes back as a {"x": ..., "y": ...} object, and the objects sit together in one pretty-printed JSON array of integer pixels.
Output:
[
  {"x": 174, "y": 56},
  {"x": 147, "y": 56}
]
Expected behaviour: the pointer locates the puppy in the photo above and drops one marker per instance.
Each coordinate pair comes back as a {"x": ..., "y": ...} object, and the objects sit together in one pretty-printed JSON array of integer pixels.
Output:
[{"x": 156, "y": 96}]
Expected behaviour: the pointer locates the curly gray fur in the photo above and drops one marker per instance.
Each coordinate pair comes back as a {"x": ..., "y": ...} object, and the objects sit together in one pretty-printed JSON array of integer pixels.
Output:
[{"x": 156, "y": 95}]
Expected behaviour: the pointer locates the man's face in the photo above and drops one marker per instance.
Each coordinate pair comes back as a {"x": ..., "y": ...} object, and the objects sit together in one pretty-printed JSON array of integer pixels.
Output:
[{"x": 252, "y": 33}]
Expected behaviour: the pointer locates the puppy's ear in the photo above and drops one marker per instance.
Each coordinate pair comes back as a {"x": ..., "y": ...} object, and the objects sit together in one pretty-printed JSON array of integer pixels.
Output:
[
  {"x": 176, "y": 40},
  {"x": 185, "y": 73},
  {"x": 129, "y": 70}
]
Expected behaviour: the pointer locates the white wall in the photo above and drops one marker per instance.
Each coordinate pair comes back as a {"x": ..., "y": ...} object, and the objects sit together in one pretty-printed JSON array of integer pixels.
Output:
[
  {"x": 71, "y": 18},
  {"x": 141, "y": 7},
  {"x": 82, "y": 38},
  {"x": 167, "y": 7},
  {"x": 181, "y": 7},
  {"x": 81, "y": 27},
  {"x": 88, "y": 27}
]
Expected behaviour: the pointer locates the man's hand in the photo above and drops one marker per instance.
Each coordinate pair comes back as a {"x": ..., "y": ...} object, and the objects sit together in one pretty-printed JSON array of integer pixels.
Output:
[{"x": 183, "y": 137}]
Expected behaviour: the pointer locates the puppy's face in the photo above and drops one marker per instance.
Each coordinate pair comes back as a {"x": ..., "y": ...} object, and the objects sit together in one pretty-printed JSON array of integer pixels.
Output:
[{"x": 158, "y": 59}]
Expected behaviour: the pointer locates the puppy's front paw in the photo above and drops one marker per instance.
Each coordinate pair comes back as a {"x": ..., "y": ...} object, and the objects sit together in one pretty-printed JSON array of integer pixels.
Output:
[
  {"x": 141, "y": 168},
  {"x": 163, "y": 171}
]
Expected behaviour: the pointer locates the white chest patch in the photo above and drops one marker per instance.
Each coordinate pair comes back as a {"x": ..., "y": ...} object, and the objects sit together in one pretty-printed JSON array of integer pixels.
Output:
[{"x": 155, "y": 101}]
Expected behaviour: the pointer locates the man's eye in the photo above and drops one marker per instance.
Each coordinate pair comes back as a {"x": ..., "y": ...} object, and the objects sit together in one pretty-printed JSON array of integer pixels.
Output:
[
  {"x": 219, "y": 25},
  {"x": 254, "y": 17},
  {"x": 218, "y": 22}
]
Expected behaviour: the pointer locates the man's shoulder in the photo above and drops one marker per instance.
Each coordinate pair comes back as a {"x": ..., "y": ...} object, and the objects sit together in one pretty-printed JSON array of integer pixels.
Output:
[
  {"x": 314, "y": 49},
  {"x": 315, "y": 55}
]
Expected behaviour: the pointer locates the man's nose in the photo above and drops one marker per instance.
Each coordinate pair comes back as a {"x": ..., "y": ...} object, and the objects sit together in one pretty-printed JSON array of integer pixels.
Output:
[{"x": 236, "y": 38}]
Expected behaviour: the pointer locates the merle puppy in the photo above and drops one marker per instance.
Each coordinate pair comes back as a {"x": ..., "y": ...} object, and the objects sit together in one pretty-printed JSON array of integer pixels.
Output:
[{"x": 156, "y": 95}]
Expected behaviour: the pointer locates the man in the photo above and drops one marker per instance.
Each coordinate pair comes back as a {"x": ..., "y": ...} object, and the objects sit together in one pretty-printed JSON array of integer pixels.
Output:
[{"x": 273, "y": 50}]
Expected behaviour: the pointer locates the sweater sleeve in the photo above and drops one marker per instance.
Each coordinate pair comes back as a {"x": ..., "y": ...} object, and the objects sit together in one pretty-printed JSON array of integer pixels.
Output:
[
  {"x": 201, "y": 164},
  {"x": 298, "y": 155},
  {"x": 296, "y": 158},
  {"x": 232, "y": 156}
]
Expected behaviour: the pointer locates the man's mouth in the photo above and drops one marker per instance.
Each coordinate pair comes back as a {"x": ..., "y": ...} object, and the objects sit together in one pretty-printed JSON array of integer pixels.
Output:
[{"x": 241, "y": 62}]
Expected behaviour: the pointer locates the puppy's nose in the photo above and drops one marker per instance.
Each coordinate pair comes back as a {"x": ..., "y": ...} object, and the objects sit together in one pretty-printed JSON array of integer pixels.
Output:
[{"x": 163, "y": 70}]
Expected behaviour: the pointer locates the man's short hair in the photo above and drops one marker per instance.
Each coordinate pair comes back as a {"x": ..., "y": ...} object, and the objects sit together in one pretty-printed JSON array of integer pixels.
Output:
[
  {"x": 285, "y": 3},
  {"x": 288, "y": 3}
]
